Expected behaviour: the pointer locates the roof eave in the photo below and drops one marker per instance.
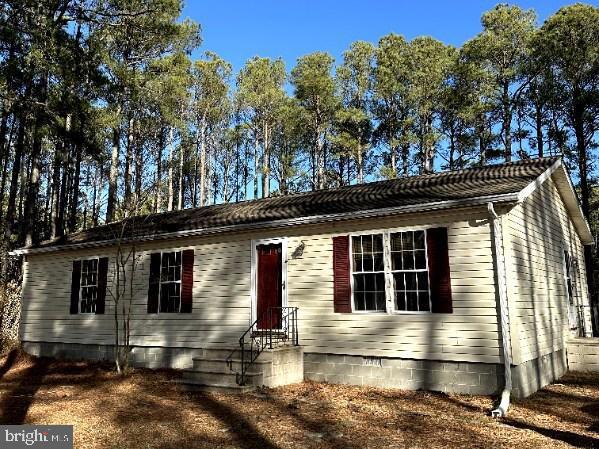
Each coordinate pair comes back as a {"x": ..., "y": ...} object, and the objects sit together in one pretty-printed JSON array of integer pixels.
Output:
[{"x": 315, "y": 219}]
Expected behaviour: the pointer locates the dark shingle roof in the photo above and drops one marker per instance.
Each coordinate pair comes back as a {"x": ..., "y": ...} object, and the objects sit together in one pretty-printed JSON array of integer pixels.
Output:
[{"x": 465, "y": 184}]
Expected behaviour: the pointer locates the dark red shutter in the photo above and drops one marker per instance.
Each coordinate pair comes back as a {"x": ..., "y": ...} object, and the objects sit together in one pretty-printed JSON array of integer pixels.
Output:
[
  {"x": 75, "y": 282},
  {"x": 341, "y": 275},
  {"x": 186, "y": 281},
  {"x": 102, "y": 280},
  {"x": 154, "y": 283},
  {"x": 438, "y": 270}
]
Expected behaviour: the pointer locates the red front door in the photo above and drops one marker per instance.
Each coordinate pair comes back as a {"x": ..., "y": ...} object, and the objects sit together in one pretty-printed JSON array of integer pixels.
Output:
[{"x": 269, "y": 282}]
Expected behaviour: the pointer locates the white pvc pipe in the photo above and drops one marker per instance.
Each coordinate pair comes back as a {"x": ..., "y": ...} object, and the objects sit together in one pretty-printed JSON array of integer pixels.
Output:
[{"x": 504, "y": 404}]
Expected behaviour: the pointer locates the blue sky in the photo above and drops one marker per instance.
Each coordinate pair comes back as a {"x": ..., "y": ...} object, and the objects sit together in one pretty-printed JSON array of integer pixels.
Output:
[{"x": 240, "y": 29}]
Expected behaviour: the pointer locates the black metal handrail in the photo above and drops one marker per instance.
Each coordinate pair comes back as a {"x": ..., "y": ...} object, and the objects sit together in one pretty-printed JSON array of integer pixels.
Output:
[{"x": 277, "y": 325}]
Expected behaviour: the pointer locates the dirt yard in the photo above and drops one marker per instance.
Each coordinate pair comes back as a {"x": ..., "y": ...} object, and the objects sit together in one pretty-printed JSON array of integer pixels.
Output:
[{"x": 148, "y": 409}]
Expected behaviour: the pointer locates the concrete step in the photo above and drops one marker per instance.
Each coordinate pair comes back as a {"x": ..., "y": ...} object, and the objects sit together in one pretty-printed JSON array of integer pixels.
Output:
[
  {"x": 221, "y": 365},
  {"x": 218, "y": 353},
  {"x": 220, "y": 378}
]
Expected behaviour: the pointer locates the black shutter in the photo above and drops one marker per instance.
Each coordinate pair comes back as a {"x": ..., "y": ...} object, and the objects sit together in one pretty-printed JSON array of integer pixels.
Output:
[
  {"x": 102, "y": 281},
  {"x": 438, "y": 270},
  {"x": 186, "y": 280},
  {"x": 154, "y": 283},
  {"x": 341, "y": 275},
  {"x": 75, "y": 282}
]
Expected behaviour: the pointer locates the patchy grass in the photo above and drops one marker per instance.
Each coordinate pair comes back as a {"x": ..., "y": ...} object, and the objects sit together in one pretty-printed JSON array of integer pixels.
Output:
[{"x": 148, "y": 410}]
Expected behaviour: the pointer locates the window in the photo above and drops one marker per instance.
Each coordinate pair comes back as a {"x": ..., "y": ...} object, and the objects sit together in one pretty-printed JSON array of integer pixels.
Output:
[
  {"x": 568, "y": 277},
  {"x": 170, "y": 282},
  {"x": 368, "y": 272},
  {"x": 398, "y": 259},
  {"x": 410, "y": 273},
  {"x": 89, "y": 285}
]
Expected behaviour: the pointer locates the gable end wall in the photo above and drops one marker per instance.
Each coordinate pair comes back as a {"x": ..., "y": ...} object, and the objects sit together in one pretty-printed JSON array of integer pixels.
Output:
[{"x": 536, "y": 232}]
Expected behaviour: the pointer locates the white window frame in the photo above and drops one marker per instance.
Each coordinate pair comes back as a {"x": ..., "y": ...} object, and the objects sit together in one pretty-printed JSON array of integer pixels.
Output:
[
  {"x": 388, "y": 272},
  {"x": 570, "y": 296},
  {"x": 421, "y": 270},
  {"x": 169, "y": 282},
  {"x": 97, "y": 259},
  {"x": 352, "y": 272}
]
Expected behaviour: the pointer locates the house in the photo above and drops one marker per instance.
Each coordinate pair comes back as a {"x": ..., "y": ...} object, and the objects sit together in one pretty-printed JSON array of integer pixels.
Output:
[{"x": 465, "y": 281}]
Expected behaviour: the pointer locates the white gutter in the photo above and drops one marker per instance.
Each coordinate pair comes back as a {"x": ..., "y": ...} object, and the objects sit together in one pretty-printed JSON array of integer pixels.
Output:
[
  {"x": 315, "y": 219},
  {"x": 500, "y": 270}
]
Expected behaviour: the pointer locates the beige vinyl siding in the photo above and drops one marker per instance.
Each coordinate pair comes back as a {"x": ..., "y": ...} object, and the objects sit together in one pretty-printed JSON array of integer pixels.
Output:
[
  {"x": 222, "y": 295},
  {"x": 536, "y": 233}
]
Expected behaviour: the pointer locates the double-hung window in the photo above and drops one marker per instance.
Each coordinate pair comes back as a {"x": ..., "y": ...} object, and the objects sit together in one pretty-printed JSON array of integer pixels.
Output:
[
  {"x": 89, "y": 285},
  {"x": 410, "y": 272},
  {"x": 390, "y": 272},
  {"x": 568, "y": 277},
  {"x": 368, "y": 272},
  {"x": 170, "y": 282}
]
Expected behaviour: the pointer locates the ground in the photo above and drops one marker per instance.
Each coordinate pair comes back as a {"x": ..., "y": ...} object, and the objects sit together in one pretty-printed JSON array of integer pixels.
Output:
[{"x": 149, "y": 409}]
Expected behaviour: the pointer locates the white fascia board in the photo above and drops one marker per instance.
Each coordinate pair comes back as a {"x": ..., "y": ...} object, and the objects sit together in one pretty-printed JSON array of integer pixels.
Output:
[
  {"x": 315, "y": 219},
  {"x": 558, "y": 169},
  {"x": 530, "y": 188}
]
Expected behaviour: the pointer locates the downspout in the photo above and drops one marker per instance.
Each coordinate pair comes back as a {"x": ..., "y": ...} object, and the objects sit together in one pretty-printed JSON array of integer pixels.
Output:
[{"x": 501, "y": 409}]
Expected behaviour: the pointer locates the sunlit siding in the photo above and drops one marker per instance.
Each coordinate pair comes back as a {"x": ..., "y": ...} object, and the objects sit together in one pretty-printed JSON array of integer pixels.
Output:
[
  {"x": 536, "y": 233},
  {"x": 221, "y": 296}
]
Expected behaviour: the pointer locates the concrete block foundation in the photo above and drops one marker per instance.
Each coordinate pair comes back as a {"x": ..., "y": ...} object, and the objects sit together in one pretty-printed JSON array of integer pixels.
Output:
[
  {"x": 140, "y": 356},
  {"x": 291, "y": 365}
]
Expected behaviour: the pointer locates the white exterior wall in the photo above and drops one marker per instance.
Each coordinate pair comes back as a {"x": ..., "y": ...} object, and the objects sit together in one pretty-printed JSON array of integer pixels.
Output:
[
  {"x": 222, "y": 292},
  {"x": 536, "y": 233}
]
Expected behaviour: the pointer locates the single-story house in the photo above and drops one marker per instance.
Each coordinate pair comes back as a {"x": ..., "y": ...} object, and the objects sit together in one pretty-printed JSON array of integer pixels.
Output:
[{"x": 462, "y": 281}]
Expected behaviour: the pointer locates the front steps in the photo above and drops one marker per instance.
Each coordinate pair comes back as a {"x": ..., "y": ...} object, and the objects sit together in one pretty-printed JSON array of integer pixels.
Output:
[{"x": 219, "y": 369}]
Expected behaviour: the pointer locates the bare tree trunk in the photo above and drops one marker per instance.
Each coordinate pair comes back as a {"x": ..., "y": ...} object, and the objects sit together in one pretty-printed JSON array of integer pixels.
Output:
[
  {"x": 256, "y": 165},
  {"x": 203, "y": 163},
  {"x": 170, "y": 168},
  {"x": 360, "y": 165},
  {"x": 506, "y": 126},
  {"x": 114, "y": 173},
  {"x": 246, "y": 170},
  {"x": 95, "y": 195},
  {"x": 128, "y": 176},
  {"x": 7, "y": 158},
  {"x": 14, "y": 182},
  {"x": 75, "y": 190},
  {"x": 138, "y": 172},
  {"x": 30, "y": 211},
  {"x": 85, "y": 201},
  {"x": 539, "y": 126},
  {"x": 266, "y": 163},
  {"x": 4, "y": 151},
  {"x": 158, "y": 207},
  {"x": 48, "y": 195},
  {"x": 56, "y": 225},
  {"x": 320, "y": 160},
  {"x": 181, "y": 186},
  {"x": 393, "y": 162},
  {"x": 65, "y": 183}
]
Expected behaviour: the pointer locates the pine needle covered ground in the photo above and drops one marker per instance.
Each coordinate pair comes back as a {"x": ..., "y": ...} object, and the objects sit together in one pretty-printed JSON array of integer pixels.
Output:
[{"x": 148, "y": 409}]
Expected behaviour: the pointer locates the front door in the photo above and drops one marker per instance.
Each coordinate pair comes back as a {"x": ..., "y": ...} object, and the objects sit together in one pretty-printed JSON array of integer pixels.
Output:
[{"x": 269, "y": 285}]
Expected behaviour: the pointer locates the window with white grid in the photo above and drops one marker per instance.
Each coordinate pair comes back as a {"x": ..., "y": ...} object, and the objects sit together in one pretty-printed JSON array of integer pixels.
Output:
[
  {"x": 89, "y": 285},
  {"x": 368, "y": 273},
  {"x": 410, "y": 272},
  {"x": 170, "y": 282},
  {"x": 394, "y": 259}
]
